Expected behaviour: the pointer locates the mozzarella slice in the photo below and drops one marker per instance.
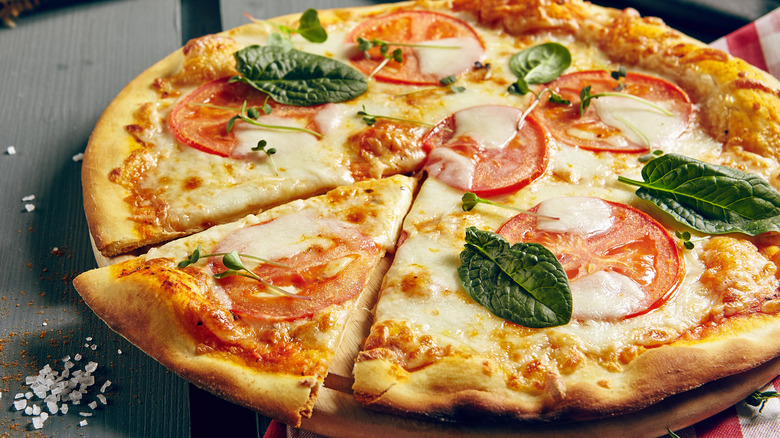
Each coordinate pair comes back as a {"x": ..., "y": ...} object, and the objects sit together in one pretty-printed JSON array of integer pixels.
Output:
[
  {"x": 579, "y": 215},
  {"x": 447, "y": 165},
  {"x": 605, "y": 295},
  {"x": 492, "y": 126},
  {"x": 282, "y": 237},
  {"x": 448, "y": 62},
  {"x": 639, "y": 122}
]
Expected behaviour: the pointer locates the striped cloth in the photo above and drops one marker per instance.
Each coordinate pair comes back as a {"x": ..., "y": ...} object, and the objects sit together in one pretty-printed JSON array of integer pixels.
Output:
[{"x": 759, "y": 44}]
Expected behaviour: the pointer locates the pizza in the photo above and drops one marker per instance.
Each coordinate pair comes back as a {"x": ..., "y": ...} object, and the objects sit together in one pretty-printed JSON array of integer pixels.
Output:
[{"x": 554, "y": 210}]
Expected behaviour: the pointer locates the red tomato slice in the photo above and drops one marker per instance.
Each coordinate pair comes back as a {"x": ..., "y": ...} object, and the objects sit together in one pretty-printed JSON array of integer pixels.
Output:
[
  {"x": 311, "y": 272},
  {"x": 563, "y": 120},
  {"x": 196, "y": 122},
  {"x": 409, "y": 27},
  {"x": 635, "y": 246},
  {"x": 495, "y": 170}
]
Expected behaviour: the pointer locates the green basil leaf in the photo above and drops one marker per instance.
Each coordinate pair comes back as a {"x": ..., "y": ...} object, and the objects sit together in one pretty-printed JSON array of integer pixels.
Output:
[
  {"x": 298, "y": 78},
  {"x": 541, "y": 64},
  {"x": 710, "y": 198},
  {"x": 524, "y": 283},
  {"x": 310, "y": 27}
]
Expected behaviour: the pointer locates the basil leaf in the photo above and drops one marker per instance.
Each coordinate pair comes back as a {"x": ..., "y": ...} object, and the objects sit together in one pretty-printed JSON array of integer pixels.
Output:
[
  {"x": 298, "y": 78},
  {"x": 524, "y": 283},
  {"x": 310, "y": 27},
  {"x": 710, "y": 198},
  {"x": 541, "y": 64}
]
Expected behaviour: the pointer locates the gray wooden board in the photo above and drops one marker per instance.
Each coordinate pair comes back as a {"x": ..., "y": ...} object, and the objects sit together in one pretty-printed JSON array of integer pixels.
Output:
[{"x": 59, "y": 68}]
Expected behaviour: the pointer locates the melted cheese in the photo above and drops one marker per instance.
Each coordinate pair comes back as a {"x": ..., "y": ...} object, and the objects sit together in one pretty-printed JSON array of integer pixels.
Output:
[
  {"x": 491, "y": 126},
  {"x": 579, "y": 215},
  {"x": 448, "y": 62},
  {"x": 638, "y": 121},
  {"x": 605, "y": 295}
]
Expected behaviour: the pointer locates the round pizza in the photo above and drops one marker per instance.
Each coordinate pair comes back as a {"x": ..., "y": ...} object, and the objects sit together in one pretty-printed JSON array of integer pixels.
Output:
[{"x": 533, "y": 210}]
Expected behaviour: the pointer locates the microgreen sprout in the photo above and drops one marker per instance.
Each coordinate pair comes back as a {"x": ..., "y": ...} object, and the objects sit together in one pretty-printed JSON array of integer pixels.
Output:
[
  {"x": 470, "y": 200},
  {"x": 672, "y": 434},
  {"x": 586, "y": 97},
  {"x": 449, "y": 82},
  {"x": 617, "y": 75},
  {"x": 685, "y": 238},
  {"x": 759, "y": 398},
  {"x": 370, "y": 119},
  {"x": 268, "y": 152},
  {"x": 250, "y": 115},
  {"x": 365, "y": 44},
  {"x": 309, "y": 27},
  {"x": 235, "y": 267}
]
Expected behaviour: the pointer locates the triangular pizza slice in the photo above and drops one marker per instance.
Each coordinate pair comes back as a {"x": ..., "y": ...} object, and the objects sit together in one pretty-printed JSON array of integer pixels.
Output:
[{"x": 254, "y": 310}]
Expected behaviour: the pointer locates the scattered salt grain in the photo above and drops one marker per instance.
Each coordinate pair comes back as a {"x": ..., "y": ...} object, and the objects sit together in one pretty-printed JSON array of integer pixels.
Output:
[
  {"x": 28, "y": 410},
  {"x": 29, "y": 207},
  {"x": 93, "y": 347},
  {"x": 82, "y": 423},
  {"x": 102, "y": 399},
  {"x": 52, "y": 407},
  {"x": 77, "y": 357},
  {"x": 19, "y": 395},
  {"x": 44, "y": 324},
  {"x": 91, "y": 367},
  {"x": 37, "y": 422},
  {"x": 119, "y": 351},
  {"x": 105, "y": 386},
  {"x": 92, "y": 405},
  {"x": 28, "y": 198},
  {"x": 85, "y": 414},
  {"x": 64, "y": 408},
  {"x": 78, "y": 157},
  {"x": 10, "y": 150},
  {"x": 20, "y": 404},
  {"x": 28, "y": 395},
  {"x": 89, "y": 339}
]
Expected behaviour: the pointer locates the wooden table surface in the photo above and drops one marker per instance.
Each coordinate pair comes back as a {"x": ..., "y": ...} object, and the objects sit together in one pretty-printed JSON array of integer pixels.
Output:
[{"x": 59, "y": 68}]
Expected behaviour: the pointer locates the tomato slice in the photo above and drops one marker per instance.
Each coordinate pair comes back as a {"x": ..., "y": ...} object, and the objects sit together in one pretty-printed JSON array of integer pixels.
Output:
[
  {"x": 200, "y": 119},
  {"x": 322, "y": 275},
  {"x": 634, "y": 246},
  {"x": 590, "y": 132},
  {"x": 417, "y": 27},
  {"x": 466, "y": 163}
]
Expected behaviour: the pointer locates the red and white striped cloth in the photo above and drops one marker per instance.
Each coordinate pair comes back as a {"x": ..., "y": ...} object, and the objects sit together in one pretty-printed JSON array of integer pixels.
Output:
[{"x": 759, "y": 44}]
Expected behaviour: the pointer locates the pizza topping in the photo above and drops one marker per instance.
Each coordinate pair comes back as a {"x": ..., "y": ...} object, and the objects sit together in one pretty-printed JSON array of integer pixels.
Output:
[
  {"x": 503, "y": 158},
  {"x": 646, "y": 112},
  {"x": 322, "y": 261},
  {"x": 539, "y": 65},
  {"x": 206, "y": 117},
  {"x": 620, "y": 270},
  {"x": 370, "y": 119},
  {"x": 709, "y": 198},
  {"x": 428, "y": 46},
  {"x": 524, "y": 283},
  {"x": 293, "y": 77},
  {"x": 309, "y": 27},
  {"x": 583, "y": 216}
]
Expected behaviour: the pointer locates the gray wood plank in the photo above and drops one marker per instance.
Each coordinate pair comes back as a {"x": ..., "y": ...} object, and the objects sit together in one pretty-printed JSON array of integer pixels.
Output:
[
  {"x": 233, "y": 10},
  {"x": 60, "y": 68}
]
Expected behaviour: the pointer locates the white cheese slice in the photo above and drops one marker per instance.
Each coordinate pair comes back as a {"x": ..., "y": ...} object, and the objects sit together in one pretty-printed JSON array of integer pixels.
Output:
[
  {"x": 448, "y": 62},
  {"x": 492, "y": 126},
  {"x": 580, "y": 215},
  {"x": 605, "y": 295},
  {"x": 445, "y": 164},
  {"x": 640, "y": 122},
  {"x": 282, "y": 237}
]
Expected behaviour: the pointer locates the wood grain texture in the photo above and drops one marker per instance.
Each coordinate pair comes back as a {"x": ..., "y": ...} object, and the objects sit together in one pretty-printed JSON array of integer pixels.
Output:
[{"x": 60, "y": 68}]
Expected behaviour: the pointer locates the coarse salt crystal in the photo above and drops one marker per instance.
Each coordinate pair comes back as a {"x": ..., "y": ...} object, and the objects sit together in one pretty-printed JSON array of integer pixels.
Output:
[
  {"x": 77, "y": 357},
  {"x": 89, "y": 338},
  {"x": 19, "y": 395},
  {"x": 37, "y": 422},
  {"x": 28, "y": 410},
  {"x": 52, "y": 407},
  {"x": 102, "y": 399},
  {"x": 28, "y": 198},
  {"x": 119, "y": 351},
  {"x": 28, "y": 395},
  {"x": 29, "y": 207},
  {"x": 105, "y": 386},
  {"x": 36, "y": 410},
  {"x": 64, "y": 408},
  {"x": 82, "y": 423},
  {"x": 11, "y": 150},
  {"x": 92, "y": 405},
  {"x": 93, "y": 347},
  {"x": 78, "y": 157},
  {"x": 85, "y": 414}
]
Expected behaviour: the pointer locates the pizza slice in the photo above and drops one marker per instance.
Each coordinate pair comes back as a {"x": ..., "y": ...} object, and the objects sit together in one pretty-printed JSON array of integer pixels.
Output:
[
  {"x": 254, "y": 310},
  {"x": 582, "y": 306}
]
